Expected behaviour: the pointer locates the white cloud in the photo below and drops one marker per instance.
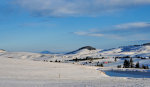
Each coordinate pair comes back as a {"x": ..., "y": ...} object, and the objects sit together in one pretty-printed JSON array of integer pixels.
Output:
[
  {"x": 81, "y": 33},
  {"x": 77, "y": 7},
  {"x": 89, "y": 34},
  {"x": 135, "y": 25},
  {"x": 96, "y": 35},
  {"x": 127, "y": 31}
]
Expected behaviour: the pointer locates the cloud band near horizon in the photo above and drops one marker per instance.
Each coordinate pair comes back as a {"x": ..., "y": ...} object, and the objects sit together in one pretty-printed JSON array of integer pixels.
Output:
[{"x": 124, "y": 31}]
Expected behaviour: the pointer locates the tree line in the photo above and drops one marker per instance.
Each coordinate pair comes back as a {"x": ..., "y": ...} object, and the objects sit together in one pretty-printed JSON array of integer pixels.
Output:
[{"x": 130, "y": 64}]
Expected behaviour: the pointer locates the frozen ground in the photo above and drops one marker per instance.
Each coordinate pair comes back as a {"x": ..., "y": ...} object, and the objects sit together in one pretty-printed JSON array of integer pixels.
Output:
[{"x": 27, "y": 73}]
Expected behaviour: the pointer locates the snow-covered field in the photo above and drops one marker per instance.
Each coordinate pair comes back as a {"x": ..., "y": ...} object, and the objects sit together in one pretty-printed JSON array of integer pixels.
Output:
[
  {"x": 25, "y": 69},
  {"x": 27, "y": 73}
]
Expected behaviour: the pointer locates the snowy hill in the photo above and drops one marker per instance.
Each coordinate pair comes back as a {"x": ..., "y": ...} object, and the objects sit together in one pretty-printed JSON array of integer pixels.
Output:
[
  {"x": 21, "y": 55},
  {"x": 87, "y": 51},
  {"x": 83, "y": 52},
  {"x": 101, "y": 56},
  {"x": 2, "y": 51},
  {"x": 134, "y": 50},
  {"x": 80, "y": 50},
  {"x": 88, "y": 56}
]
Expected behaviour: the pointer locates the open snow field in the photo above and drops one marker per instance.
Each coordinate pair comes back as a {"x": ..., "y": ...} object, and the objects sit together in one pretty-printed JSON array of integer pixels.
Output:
[{"x": 27, "y": 73}]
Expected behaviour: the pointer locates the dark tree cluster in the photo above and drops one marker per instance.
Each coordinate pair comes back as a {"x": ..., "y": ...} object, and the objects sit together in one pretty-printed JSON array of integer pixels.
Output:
[
  {"x": 145, "y": 67},
  {"x": 126, "y": 64},
  {"x": 140, "y": 57},
  {"x": 57, "y": 61},
  {"x": 119, "y": 66},
  {"x": 84, "y": 59},
  {"x": 119, "y": 57},
  {"x": 126, "y": 57},
  {"x": 52, "y": 61},
  {"x": 100, "y": 65},
  {"x": 129, "y": 64}
]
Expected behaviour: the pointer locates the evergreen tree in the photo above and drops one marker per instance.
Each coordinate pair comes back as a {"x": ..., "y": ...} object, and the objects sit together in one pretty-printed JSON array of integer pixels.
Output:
[
  {"x": 115, "y": 59},
  {"x": 147, "y": 67},
  {"x": 144, "y": 67},
  {"x": 137, "y": 65},
  {"x": 55, "y": 60},
  {"x": 131, "y": 63},
  {"x": 102, "y": 65},
  {"x": 97, "y": 63},
  {"x": 119, "y": 66},
  {"x": 126, "y": 64},
  {"x": 76, "y": 59}
]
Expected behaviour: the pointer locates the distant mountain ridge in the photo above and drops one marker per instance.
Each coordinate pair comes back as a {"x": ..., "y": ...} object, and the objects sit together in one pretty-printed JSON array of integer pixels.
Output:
[
  {"x": 46, "y": 52},
  {"x": 49, "y": 52}
]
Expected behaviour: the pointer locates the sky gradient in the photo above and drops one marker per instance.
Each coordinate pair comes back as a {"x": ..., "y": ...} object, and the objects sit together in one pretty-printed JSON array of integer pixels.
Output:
[{"x": 66, "y": 25}]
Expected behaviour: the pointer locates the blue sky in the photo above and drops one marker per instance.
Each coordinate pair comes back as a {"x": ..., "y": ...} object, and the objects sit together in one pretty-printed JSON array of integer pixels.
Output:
[{"x": 65, "y": 25}]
